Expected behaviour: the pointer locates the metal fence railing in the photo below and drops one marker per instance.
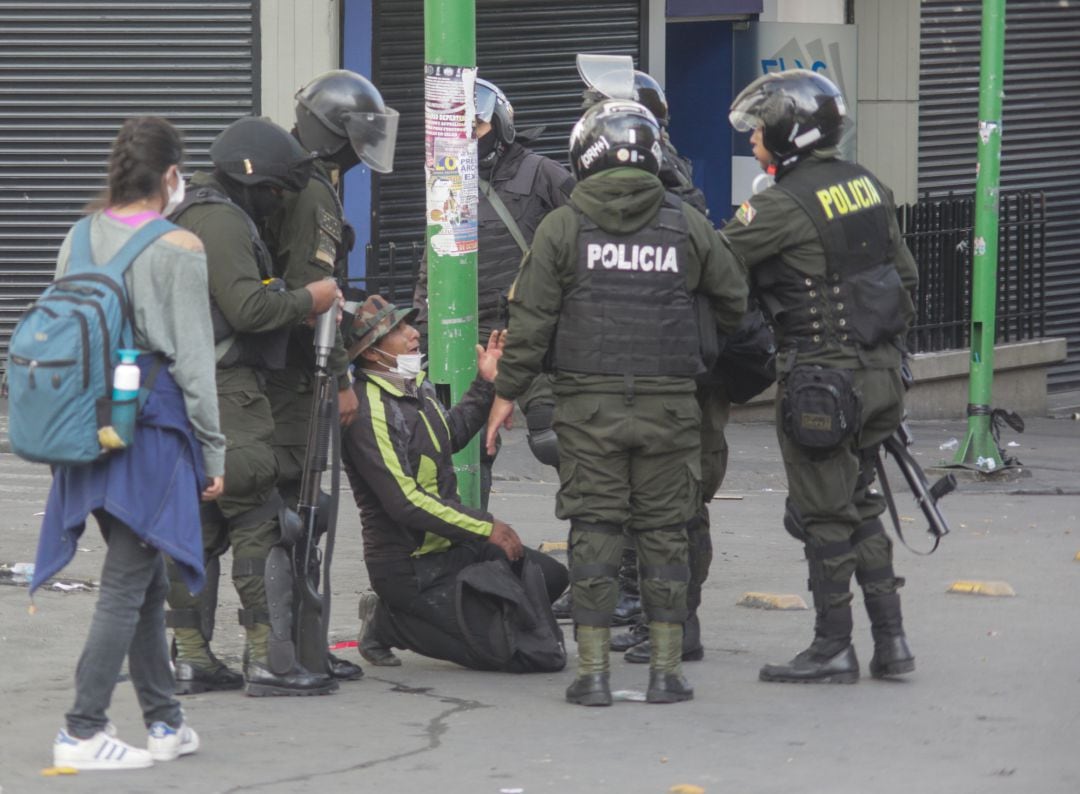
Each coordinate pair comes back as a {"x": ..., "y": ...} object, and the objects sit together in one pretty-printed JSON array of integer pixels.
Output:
[
  {"x": 940, "y": 233},
  {"x": 391, "y": 271}
]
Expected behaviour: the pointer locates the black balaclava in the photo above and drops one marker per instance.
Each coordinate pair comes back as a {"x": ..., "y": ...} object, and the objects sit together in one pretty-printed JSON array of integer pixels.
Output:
[{"x": 258, "y": 201}]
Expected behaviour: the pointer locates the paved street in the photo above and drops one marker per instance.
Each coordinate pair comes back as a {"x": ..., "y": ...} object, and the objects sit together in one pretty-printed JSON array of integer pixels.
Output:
[{"x": 992, "y": 707}]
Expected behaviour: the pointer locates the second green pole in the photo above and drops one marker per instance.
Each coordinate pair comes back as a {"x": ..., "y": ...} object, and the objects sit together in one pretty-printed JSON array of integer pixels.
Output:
[{"x": 979, "y": 449}]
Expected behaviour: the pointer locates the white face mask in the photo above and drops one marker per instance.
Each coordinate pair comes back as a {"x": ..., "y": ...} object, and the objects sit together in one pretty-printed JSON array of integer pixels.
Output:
[
  {"x": 408, "y": 365},
  {"x": 176, "y": 195}
]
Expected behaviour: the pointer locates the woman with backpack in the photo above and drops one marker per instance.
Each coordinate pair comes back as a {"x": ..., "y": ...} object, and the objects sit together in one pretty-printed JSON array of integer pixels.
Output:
[{"x": 145, "y": 497}]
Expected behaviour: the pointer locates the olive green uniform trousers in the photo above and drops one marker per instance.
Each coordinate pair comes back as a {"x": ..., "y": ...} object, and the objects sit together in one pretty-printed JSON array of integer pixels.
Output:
[
  {"x": 829, "y": 496},
  {"x": 245, "y": 517},
  {"x": 630, "y": 463}
]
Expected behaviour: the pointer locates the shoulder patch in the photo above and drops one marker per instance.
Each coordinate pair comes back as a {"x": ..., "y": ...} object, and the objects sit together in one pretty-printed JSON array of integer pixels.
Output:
[
  {"x": 329, "y": 223},
  {"x": 745, "y": 213}
]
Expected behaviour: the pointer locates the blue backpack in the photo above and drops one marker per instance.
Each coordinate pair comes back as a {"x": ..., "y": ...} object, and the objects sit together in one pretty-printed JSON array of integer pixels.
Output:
[{"x": 62, "y": 353}]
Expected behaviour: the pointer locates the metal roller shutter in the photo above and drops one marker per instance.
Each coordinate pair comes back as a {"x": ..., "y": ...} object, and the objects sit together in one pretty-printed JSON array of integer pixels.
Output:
[
  {"x": 527, "y": 49},
  {"x": 1040, "y": 145},
  {"x": 70, "y": 73}
]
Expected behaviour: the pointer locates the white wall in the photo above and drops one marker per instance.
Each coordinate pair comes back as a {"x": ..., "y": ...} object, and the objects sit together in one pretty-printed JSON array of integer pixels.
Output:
[
  {"x": 888, "y": 92},
  {"x": 300, "y": 39},
  {"x": 819, "y": 11}
]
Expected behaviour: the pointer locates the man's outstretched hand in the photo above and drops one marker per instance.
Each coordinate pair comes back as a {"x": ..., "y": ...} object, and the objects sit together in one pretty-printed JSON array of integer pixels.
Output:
[
  {"x": 504, "y": 536},
  {"x": 487, "y": 358}
]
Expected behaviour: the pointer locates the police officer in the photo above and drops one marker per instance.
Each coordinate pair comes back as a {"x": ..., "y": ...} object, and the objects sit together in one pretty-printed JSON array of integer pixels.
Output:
[
  {"x": 342, "y": 118},
  {"x": 255, "y": 163},
  {"x": 517, "y": 189},
  {"x": 824, "y": 251},
  {"x": 608, "y": 288},
  {"x": 676, "y": 174}
]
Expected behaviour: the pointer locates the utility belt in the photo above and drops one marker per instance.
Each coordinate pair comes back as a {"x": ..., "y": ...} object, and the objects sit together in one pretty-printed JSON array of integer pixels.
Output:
[{"x": 820, "y": 408}]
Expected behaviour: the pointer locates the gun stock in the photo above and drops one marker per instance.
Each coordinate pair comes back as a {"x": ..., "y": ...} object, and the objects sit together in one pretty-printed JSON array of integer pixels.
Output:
[
  {"x": 311, "y": 565},
  {"x": 926, "y": 495}
]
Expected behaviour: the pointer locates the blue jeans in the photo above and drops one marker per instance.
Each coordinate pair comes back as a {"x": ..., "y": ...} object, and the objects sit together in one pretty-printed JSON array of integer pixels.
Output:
[{"x": 129, "y": 620}]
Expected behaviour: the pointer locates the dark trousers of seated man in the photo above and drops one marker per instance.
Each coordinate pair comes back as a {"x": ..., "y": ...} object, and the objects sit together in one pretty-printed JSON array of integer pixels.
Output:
[{"x": 417, "y": 607}]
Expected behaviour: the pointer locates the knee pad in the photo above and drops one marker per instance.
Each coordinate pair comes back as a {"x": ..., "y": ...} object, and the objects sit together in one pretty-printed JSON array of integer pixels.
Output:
[
  {"x": 541, "y": 436},
  {"x": 664, "y": 585},
  {"x": 540, "y": 420},
  {"x": 593, "y": 573},
  {"x": 291, "y": 527}
]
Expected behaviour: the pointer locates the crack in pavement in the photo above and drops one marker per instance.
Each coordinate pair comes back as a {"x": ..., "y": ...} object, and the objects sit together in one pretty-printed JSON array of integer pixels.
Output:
[{"x": 436, "y": 727}]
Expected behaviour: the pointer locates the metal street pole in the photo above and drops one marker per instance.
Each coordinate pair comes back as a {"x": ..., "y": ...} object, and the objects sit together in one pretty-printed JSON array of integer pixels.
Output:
[
  {"x": 450, "y": 170},
  {"x": 979, "y": 449}
]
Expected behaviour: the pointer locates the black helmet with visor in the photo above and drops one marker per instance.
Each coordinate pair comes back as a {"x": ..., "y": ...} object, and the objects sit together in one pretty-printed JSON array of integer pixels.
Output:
[
  {"x": 340, "y": 108},
  {"x": 797, "y": 110}
]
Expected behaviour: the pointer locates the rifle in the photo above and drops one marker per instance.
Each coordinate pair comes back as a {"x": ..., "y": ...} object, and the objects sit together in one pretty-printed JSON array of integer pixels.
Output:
[
  {"x": 318, "y": 511},
  {"x": 926, "y": 495}
]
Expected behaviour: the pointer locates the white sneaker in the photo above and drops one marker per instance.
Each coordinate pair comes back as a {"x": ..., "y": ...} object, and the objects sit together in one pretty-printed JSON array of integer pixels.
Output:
[
  {"x": 166, "y": 744},
  {"x": 100, "y": 751}
]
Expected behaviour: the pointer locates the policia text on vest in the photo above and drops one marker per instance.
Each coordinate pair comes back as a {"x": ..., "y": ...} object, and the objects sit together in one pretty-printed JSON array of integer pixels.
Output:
[{"x": 852, "y": 196}]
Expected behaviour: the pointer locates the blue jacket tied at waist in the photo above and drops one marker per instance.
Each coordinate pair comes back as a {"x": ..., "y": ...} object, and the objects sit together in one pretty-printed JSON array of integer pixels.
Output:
[{"x": 153, "y": 486}]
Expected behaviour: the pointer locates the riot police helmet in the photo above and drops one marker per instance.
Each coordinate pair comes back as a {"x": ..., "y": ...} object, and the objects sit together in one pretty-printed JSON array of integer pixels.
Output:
[
  {"x": 614, "y": 77},
  {"x": 256, "y": 151},
  {"x": 612, "y": 134},
  {"x": 340, "y": 108},
  {"x": 797, "y": 110},
  {"x": 493, "y": 107},
  {"x": 648, "y": 92}
]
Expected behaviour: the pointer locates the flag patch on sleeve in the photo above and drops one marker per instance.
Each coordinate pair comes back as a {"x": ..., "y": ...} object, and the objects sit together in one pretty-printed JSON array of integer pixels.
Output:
[{"x": 745, "y": 213}]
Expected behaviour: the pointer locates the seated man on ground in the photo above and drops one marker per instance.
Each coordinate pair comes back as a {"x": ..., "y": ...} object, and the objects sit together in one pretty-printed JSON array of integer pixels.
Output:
[{"x": 441, "y": 571}]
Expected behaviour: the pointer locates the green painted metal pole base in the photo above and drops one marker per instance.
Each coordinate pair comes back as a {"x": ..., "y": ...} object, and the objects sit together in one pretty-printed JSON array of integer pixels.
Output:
[{"x": 978, "y": 450}]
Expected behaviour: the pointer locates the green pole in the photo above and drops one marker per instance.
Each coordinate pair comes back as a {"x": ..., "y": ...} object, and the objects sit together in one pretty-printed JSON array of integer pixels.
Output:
[
  {"x": 450, "y": 170},
  {"x": 979, "y": 449}
]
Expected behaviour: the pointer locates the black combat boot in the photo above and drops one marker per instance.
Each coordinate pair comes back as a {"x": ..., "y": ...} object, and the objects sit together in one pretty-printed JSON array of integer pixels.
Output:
[
  {"x": 892, "y": 656},
  {"x": 262, "y": 682},
  {"x": 637, "y": 634},
  {"x": 344, "y": 670},
  {"x": 692, "y": 650},
  {"x": 830, "y": 659},
  {"x": 192, "y": 679},
  {"x": 592, "y": 686},
  {"x": 666, "y": 681}
]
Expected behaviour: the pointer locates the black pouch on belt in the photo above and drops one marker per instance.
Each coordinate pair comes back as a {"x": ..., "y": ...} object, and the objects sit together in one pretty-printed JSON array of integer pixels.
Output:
[{"x": 820, "y": 407}]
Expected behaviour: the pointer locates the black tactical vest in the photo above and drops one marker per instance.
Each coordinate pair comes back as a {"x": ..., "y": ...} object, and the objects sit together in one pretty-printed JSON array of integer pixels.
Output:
[
  {"x": 498, "y": 254},
  {"x": 265, "y": 350},
  {"x": 861, "y": 299},
  {"x": 629, "y": 311}
]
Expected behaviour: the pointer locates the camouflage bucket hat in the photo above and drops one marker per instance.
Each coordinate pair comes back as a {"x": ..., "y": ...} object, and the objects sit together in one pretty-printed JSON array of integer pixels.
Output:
[{"x": 375, "y": 318}]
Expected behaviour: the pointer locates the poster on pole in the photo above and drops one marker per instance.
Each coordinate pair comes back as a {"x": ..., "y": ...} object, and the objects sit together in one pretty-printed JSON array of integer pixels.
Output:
[{"x": 450, "y": 158}]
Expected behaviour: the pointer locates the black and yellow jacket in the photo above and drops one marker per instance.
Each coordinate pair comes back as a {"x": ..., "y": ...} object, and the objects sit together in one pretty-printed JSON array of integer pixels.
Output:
[{"x": 396, "y": 453}]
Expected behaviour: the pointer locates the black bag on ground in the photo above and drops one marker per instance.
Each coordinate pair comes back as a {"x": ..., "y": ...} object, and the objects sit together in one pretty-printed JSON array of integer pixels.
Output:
[
  {"x": 507, "y": 619},
  {"x": 820, "y": 407}
]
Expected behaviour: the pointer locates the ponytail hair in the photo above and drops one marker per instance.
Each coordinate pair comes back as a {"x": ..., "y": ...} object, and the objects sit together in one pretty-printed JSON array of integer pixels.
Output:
[{"x": 141, "y": 154}]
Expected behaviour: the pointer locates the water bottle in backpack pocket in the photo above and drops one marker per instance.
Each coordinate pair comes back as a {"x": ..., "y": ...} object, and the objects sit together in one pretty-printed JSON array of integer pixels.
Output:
[{"x": 63, "y": 352}]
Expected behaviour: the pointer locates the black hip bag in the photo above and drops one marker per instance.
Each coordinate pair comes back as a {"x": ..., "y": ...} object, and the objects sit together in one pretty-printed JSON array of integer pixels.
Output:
[{"x": 820, "y": 408}]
